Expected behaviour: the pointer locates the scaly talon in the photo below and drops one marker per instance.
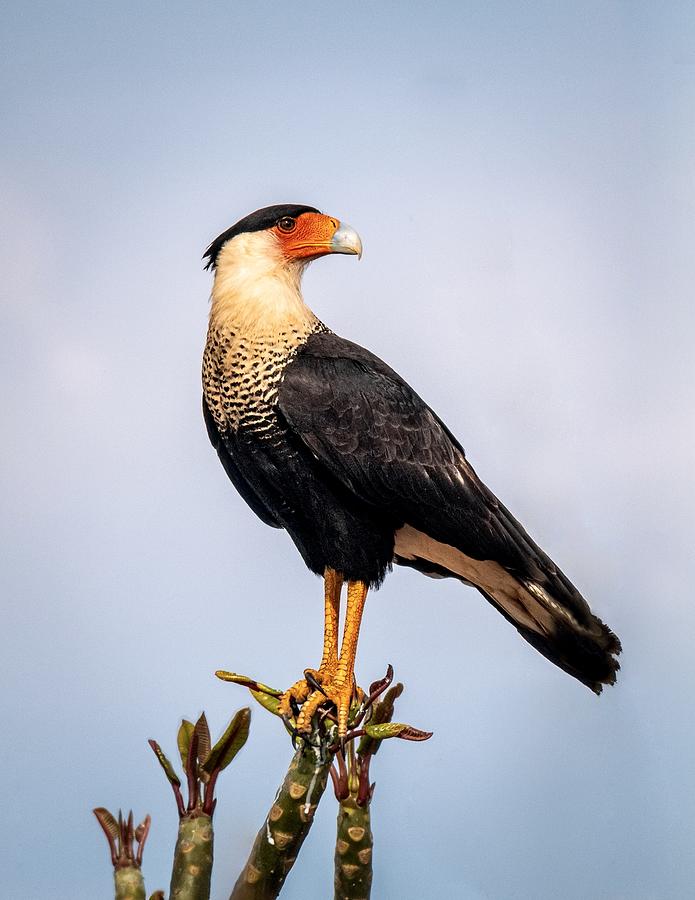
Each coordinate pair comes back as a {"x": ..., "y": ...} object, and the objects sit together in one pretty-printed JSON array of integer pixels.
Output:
[
  {"x": 339, "y": 693},
  {"x": 304, "y": 688},
  {"x": 297, "y": 693}
]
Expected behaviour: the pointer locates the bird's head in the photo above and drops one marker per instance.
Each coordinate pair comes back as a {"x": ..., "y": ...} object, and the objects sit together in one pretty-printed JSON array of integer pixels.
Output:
[
  {"x": 286, "y": 235},
  {"x": 258, "y": 265}
]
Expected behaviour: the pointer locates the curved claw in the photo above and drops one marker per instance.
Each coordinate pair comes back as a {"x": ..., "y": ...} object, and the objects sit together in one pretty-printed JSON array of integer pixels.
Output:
[
  {"x": 311, "y": 679},
  {"x": 289, "y": 724}
]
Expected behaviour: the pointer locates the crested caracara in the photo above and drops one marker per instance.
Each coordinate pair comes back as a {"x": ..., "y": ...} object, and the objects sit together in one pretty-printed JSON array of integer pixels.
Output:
[{"x": 322, "y": 438}]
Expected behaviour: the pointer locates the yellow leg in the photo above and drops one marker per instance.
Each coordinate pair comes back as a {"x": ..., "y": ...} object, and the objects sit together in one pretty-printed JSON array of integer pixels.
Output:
[
  {"x": 333, "y": 585},
  {"x": 356, "y": 597},
  {"x": 339, "y": 688}
]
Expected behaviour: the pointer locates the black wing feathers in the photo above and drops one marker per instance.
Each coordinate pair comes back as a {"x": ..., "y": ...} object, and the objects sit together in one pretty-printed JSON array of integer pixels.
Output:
[
  {"x": 365, "y": 423},
  {"x": 371, "y": 429}
]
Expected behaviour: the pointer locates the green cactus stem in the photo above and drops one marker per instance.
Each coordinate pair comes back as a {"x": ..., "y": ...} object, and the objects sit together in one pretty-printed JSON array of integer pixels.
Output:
[
  {"x": 286, "y": 826},
  {"x": 129, "y": 883},
  {"x": 192, "y": 869},
  {"x": 353, "y": 852}
]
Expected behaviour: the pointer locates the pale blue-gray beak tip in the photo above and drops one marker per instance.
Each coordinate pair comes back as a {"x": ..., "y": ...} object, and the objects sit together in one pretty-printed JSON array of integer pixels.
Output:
[{"x": 346, "y": 240}]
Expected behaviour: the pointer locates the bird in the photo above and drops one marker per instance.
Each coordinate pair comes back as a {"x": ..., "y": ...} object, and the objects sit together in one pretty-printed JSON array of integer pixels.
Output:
[{"x": 323, "y": 439}]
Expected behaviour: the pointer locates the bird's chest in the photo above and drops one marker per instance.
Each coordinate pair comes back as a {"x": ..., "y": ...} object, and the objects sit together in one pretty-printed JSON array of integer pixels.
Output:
[{"x": 242, "y": 376}]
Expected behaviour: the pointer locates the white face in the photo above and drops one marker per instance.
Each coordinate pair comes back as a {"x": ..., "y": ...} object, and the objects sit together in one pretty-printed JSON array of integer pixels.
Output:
[{"x": 258, "y": 252}]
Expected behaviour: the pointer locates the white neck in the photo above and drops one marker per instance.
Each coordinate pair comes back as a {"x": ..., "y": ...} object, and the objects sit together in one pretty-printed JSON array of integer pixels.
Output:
[{"x": 257, "y": 291}]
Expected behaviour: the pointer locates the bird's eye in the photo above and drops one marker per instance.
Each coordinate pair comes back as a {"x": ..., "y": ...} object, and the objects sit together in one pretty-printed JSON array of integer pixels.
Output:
[{"x": 287, "y": 223}]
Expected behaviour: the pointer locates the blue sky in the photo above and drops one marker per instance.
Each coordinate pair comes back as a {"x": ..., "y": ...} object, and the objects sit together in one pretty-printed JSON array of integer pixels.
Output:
[{"x": 521, "y": 175}]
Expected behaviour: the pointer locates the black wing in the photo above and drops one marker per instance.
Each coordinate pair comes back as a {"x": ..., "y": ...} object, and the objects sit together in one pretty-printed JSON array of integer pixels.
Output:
[
  {"x": 374, "y": 433},
  {"x": 368, "y": 427}
]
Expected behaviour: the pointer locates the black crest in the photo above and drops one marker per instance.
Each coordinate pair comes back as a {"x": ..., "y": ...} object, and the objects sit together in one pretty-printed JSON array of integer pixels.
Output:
[{"x": 255, "y": 221}]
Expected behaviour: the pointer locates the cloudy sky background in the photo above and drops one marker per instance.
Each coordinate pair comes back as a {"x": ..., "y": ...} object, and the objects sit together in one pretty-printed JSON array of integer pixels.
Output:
[{"x": 522, "y": 178}]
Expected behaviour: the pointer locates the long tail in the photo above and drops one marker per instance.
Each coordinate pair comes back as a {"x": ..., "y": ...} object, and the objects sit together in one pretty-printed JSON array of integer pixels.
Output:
[{"x": 546, "y": 609}]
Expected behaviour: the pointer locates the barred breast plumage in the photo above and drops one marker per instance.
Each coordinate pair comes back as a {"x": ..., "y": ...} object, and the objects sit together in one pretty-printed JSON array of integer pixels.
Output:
[{"x": 242, "y": 374}]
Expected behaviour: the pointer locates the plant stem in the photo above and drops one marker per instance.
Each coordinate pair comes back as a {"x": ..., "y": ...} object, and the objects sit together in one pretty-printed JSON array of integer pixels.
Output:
[
  {"x": 353, "y": 852},
  {"x": 129, "y": 883},
  {"x": 192, "y": 870},
  {"x": 287, "y": 824}
]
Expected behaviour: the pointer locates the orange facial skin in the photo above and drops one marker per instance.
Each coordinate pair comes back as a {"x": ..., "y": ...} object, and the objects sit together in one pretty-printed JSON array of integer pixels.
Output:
[{"x": 309, "y": 238}]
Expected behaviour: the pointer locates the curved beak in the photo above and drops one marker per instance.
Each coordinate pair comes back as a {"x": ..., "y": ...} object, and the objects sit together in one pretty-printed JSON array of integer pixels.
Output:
[{"x": 346, "y": 240}]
